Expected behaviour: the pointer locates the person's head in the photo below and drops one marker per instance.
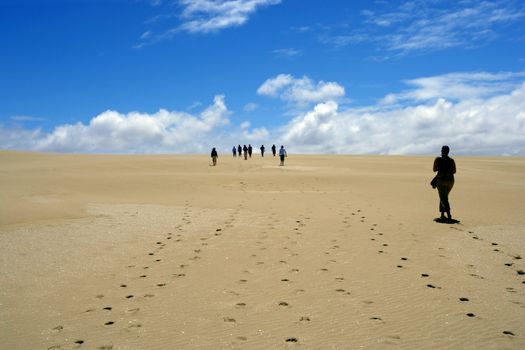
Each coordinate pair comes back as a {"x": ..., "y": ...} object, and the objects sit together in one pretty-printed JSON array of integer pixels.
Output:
[
  {"x": 445, "y": 150},
  {"x": 282, "y": 146}
]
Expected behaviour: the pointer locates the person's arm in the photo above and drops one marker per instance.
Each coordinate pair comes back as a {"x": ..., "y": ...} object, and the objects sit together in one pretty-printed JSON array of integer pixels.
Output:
[
  {"x": 435, "y": 167},
  {"x": 453, "y": 167}
]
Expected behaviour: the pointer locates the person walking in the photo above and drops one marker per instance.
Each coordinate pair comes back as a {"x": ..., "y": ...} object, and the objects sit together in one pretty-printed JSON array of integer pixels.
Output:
[
  {"x": 234, "y": 151},
  {"x": 214, "y": 156},
  {"x": 239, "y": 151},
  {"x": 250, "y": 150},
  {"x": 282, "y": 155},
  {"x": 245, "y": 150},
  {"x": 262, "y": 150},
  {"x": 446, "y": 168},
  {"x": 273, "y": 150}
]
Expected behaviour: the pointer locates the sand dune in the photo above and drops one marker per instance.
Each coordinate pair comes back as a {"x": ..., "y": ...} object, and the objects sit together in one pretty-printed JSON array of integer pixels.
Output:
[{"x": 327, "y": 252}]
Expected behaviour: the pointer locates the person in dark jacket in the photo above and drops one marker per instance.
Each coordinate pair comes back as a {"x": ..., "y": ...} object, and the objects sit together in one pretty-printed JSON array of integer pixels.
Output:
[
  {"x": 250, "y": 150},
  {"x": 274, "y": 150},
  {"x": 239, "y": 151},
  {"x": 446, "y": 168},
  {"x": 262, "y": 150},
  {"x": 214, "y": 156},
  {"x": 245, "y": 150},
  {"x": 234, "y": 151}
]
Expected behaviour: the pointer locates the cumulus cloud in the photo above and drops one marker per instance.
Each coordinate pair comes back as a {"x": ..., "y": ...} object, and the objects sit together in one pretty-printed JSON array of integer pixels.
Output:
[
  {"x": 300, "y": 91},
  {"x": 475, "y": 125},
  {"x": 134, "y": 132},
  {"x": 475, "y": 113}
]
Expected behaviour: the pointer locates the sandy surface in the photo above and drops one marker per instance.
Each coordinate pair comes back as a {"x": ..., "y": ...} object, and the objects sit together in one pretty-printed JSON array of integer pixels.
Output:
[{"x": 327, "y": 252}]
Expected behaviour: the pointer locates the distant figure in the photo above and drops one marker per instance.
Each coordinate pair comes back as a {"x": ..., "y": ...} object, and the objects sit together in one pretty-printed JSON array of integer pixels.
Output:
[
  {"x": 234, "y": 151},
  {"x": 214, "y": 156},
  {"x": 250, "y": 150},
  {"x": 282, "y": 155},
  {"x": 446, "y": 168},
  {"x": 239, "y": 151},
  {"x": 245, "y": 150},
  {"x": 273, "y": 150},
  {"x": 262, "y": 150}
]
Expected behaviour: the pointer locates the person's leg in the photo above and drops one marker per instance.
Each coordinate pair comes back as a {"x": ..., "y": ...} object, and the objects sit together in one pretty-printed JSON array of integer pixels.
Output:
[{"x": 444, "y": 205}]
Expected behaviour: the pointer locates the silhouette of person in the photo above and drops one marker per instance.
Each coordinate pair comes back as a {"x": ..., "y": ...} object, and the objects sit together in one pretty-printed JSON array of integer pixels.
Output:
[
  {"x": 446, "y": 168},
  {"x": 273, "y": 150},
  {"x": 245, "y": 150},
  {"x": 282, "y": 155},
  {"x": 262, "y": 150},
  {"x": 214, "y": 156},
  {"x": 239, "y": 150},
  {"x": 250, "y": 150},
  {"x": 234, "y": 151}
]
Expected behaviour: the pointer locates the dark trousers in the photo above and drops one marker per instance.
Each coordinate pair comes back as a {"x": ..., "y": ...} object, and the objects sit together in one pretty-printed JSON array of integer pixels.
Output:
[{"x": 444, "y": 186}]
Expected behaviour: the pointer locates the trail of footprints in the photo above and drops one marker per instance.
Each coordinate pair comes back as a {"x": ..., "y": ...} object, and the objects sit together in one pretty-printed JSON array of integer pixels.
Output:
[
  {"x": 300, "y": 223},
  {"x": 154, "y": 254}
]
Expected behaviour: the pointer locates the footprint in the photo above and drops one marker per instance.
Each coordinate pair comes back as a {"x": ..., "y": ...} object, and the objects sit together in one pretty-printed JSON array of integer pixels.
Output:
[
  {"x": 376, "y": 318},
  {"x": 463, "y": 299},
  {"x": 106, "y": 347},
  {"x": 283, "y": 303},
  {"x": 123, "y": 286},
  {"x": 161, "y": 284},
  {"x": 431, "y": 286},
  {"x": 470, "y": 314},
  {"x": 240, "y": 304},
  {"x": 108, "y": 308},
  {"x": 109, "y": 323},
  {"x": 424, "y": 275},
  {"x": 229, "y": 319},
  {"x": 79, "y": 342},
  {"x": 520, "y": 272},
  {"x": 292, "y": 340},
  {"x": 509, "y": 333},
  {"x": 129, "y": 296},
  {"x": 304, "y": 319}
]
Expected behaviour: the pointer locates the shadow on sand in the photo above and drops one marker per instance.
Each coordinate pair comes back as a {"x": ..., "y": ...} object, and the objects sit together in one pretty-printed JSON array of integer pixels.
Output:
[{"x": 446, "y": 221}]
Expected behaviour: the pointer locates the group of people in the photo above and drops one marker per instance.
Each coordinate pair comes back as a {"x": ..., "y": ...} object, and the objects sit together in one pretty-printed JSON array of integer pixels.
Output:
[
  {"x": 443, "y": 181},
  {"x": 247, "y": 152}
]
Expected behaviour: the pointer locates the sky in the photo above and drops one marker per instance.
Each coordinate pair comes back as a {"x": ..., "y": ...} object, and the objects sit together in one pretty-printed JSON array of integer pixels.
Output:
[{"x": 318, "y": 76}]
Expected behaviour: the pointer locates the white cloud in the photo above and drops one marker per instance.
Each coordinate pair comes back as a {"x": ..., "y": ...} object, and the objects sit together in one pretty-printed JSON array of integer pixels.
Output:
[
  {"x": 458, "y": 86},
  {"x": 134, "y": 132},
  {"x": 287, "y": 53},
  {"x": 475, "y": 124},
  {"x": 300, "y": 91},
  {"x": 203, "y": 16},
  {"x": 250, "y": 107},
  {"x": 26, "y": 118},
  {"x": 475, "y": 113},
  {"x": 428, "y": 26}
]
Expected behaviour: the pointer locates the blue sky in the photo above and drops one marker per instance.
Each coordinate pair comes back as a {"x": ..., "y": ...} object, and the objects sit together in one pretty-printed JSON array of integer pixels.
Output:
[{"x": 182, "y": 76}]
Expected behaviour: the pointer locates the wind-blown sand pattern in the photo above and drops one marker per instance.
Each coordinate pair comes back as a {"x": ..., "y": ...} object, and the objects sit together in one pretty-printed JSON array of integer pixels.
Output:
[{"x": 327, "y": 252}]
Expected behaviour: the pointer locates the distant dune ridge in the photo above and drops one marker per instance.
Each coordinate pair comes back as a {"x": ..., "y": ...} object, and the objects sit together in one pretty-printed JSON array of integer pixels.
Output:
[{"x": 327, "y": 252}]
